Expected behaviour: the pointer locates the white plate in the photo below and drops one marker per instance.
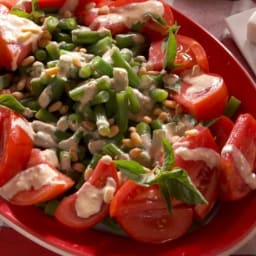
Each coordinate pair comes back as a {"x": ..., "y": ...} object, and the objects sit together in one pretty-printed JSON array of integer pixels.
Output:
[{"x": 237, "y": 25}]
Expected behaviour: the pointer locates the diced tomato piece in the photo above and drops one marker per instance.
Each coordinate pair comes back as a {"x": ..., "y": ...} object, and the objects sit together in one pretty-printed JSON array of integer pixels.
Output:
[
  {"x": 204, "y": 95},
  {"x": 66, "y": 211},
  {"x": 201, "y": 160},
  {"x": 16, "y": 144},
  {"x": 221, "y": 130},
  {"x": 8, "y": 3},
  {"x": 143, "y": 214},
  {"x": 238, "y": 159},
  {"x": 49, "y": 4}
]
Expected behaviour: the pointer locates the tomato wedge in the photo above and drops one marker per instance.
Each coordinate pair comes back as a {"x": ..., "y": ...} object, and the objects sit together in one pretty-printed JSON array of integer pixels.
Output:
[
  {"x": 201, "y": 159},
  {"x": 15, "y": 45},
  {"x": 189, "y": 53},
  {"x": 142, "y": 213},
  {"x": 16, "y": 144},
  {"x": 221, "y": 130},
  {"x": 238, "y": 158},
  {"x": 66, "y": 211},
  {"x": 203, "y": 95},
  {"x": 16, "y": 193}
]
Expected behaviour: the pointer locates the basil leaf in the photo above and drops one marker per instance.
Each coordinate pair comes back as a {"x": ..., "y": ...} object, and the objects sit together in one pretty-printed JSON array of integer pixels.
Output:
[
  {"x": 171, "y": 48},
  {"x": 168, "y": 155},
  {"x": 157, "y": 19},
  {"x": 130, "y": 165},
  {"x": 11, "y": 102}
]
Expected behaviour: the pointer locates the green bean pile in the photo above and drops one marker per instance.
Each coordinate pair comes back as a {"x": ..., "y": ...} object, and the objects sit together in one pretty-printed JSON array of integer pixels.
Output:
[{"x": 88, "y": 93}]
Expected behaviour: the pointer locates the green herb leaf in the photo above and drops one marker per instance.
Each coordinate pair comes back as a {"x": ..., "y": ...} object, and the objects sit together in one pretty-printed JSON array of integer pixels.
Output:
[
  {"x": 157, "y": 19},
  {"x": 35, "y": 6},
  {"x": 130, "y": 165},
  {"x": 168, "y": 156},
  {"x": 19, "y": 12},
  {"x": 11, "y": 102},
  {"x": 232, "y": 106},
  {"x": 179, "y": 185},
  {"x": 171, "y": 48}
]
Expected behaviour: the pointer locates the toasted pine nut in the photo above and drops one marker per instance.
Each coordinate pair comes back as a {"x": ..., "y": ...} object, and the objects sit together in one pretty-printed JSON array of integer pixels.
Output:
[
  {"x": 73, "y": 154},
  {"x": 147, "y": 119},
  {"x": 132, "y": 129},
  {"x": 128, "y": 143},
  {"x": 136, "y": 139},
  {"x": 90, "y": 126},
  {"x": 56, "y": 106},
  {"x": 21, "y": 84},
  {"x": 192, "y": 132},
  {"x": 170, "y": 103},
  {"x": 27, "y": 61},
  {"x": 64, "y": 109},
  {"x": 103, "y": 10},
  {"x": 88, "y": 173},
  {"x": 52, "y": 71},
  {"x": 76, "y": 62},
  {"x": 178, "y": 109},
  {"x": 18, "y": 95},
  {"x": 83, "y": 50},
  {"x": 157, "y": 111},
  {"x": 163, "y": 116},
  {"x": 135, "y": 152},
  {"x": 78, "y": 167}
]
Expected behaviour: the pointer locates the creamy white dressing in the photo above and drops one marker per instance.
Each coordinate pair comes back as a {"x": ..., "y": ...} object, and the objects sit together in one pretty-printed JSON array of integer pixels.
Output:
[
  {"x": 241, "y": 164},
  {"x": 44, "y": 140},
  {"x": 51, "y": 156},
  {"x": 32, "y": 178},
  {"x": 131, "y": 14},
  {"x": 24, "y": 125},
  {"x": 207, "y": 155},
  {"x": 89, "y": 92},
  {"x": 70, "y": 5},
  {"x": 202, "y": 82},
  {"x": 90, "y": 199}
]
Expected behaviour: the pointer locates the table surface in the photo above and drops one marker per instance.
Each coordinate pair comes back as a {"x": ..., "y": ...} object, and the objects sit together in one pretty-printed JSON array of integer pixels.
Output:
[{"x": 210, "y": 14}]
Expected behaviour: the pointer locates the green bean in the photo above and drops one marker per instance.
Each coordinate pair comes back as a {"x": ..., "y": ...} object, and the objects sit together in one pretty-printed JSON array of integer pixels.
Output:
[
  {"x": 41, "y": 55},
  {"x": 52, "y": 63},
  {"x": 53, "y": 50},
  {"x": 87, "y": 36},
  {"x": 100, "y": 98},
  {"x": 101, "y": 46},
  {"x": 30, "y": 103},
  {"x": 61, "y": 135},
  {"x": 58, "y": 84},
  {"x": 67, "y": 24},
  {"x": 67, "y": 46},
  {"x": 63, "y": 37},
  {"x": 122, "y": 110},
  {"x": 232, "y": 106},
  {"x": 128, "y": 40},
  {"x": 119, "y": 61},
  {"x": 85, "y": 72},
  {"x": 158, "y": 95},
  {"x": 102, "y": 122},
  {"x": 51, "y": 23},
  {"x": 112, "y": 150},
  {"x": 127, "y": 54},
  {"x": 143, "y": 128},
  {"x": 101, "y": 66},
  {"x": 45, "y": 116},
  {"x": 11, "y": 102},
  {"x": 134, "y": 104},
  {"x": 156, "y": 124},
  {"x": 5, "y": 80},
  {"x": 37, "y": 86}
]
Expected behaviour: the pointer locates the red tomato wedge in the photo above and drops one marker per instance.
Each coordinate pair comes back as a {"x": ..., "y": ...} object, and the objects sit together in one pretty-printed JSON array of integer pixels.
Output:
[
  {"x": 189, "y": 53},
  {"x": 221, "y": 130},
  {"x": 114, "y": 20},
  {"x": 66, "y": 211},
  {"x": 200, "y": 158},
  {"x": 30, "y": 196},
  {"x": 238, "y": 158},
  {"x": 16, "y": 144},
  {"x": 202, "y": 95},
  {"x": 15, "y": 46},
  {"x": 8, "y": 3},
  {"x": 142, "y": 213}
]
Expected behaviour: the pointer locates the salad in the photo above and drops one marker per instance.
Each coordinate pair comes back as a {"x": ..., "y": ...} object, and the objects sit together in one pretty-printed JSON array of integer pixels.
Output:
[{"x": 110, "y": 115}]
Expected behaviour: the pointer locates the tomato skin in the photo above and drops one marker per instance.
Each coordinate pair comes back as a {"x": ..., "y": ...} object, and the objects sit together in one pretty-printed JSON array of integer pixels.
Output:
[
  {"x": 66, "y": 213},
  {"x": 8, "y": 3},
  {"x": 142, "y": 213},
  {"x": 202, "y": 97},
  {"x": 16, "y": 145},
  {"x": 221, "y": 130},
  {"x": 206, "y": 179},
  {"x": 189, "y": 53},
  {"x": 242, "y": 137}
]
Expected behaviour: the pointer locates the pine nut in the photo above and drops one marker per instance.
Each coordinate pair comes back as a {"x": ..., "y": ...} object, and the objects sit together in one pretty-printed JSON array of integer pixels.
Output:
[
  {"x": 24, "y": 36},
  {"x": 64, "y": 109},
  {"x": 88, "y": 173},
  {"x": 163, "y": 116},
  {"x": 73, "y": 154},
  {"x": 90, "y": 126},
  {"x": 27, "y": 61},
  {"x": 147, "y": 119},
  {"x": 128, "y": 143},
  {"x": 135, "y": 152},
  {"x": 192, "y": 132},
  {"x": 132, "y": 129},
  {"x": 170, "y": 104},
  {"x": 18, "y": 95},
  {"x": 52, "y": 71},
  {"x": 114, "y": 130},
  {"x": 103, "y": 10},
  {"x": 78, "y": 167},
  {"x": 21, "y": 84},
  {"x": 136, "y": 139},
  {"x": 56, "y": 106},
  {"x": 157, "y": 111}
]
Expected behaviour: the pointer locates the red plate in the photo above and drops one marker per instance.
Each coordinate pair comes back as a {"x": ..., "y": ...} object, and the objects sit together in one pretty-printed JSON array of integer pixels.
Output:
[{"x": 233, "y": 224}]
